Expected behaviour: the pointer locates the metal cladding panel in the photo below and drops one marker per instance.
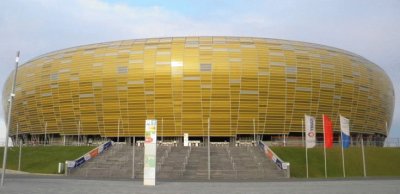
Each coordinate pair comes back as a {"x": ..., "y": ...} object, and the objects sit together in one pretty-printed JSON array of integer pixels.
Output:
[{"x": 186, "y": 80}]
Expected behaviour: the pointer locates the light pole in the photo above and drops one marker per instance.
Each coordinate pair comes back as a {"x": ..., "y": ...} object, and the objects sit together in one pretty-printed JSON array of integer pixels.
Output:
[{"x": 12, "y": 95}]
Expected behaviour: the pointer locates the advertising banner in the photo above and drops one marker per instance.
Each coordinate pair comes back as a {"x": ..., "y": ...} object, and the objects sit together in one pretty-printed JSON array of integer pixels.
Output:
[
  {"x": 150, "y": 150},
  {"x": 310, "y": 131},
  {"x": 272, "y": 156},
  {"x": 92, "y": 154}
]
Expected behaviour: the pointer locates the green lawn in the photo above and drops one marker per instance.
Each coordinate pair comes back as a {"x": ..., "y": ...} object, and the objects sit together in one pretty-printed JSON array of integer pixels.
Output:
[
  {"x": 42, "y": 159},
  {"x": 379, "y": 161}
]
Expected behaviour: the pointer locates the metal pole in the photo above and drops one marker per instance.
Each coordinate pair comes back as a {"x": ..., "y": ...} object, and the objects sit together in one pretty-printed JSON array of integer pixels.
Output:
[
  {"x": 45, "y": 134},
  {"x": 387, "y": 130},
  {"x": 133, "y": 158},
  {"x": 19, "y": 156},
  {"x": 9, "y": 120},
  {"x": 307, "y": 161},
  {"x": 79, "y": 132},
  {"x": 16, "y": 137},
  {"x": 306, "y": 155},
  {"x": 64, "y": 140},
  {"x": 208, "y": 151},
  {"x": 323, "y": 127},
  {"x": 284, "y": 140},
  {"x": 118, "y": 131},
  {"x": 341, "y": 141},
  {"x": 302, "y": 134},
  {"x": 162, "y": 129},
  {"x": 387, "y": 134},
  {"x": 254, "y": 130},
  {"x": 363, "y": 157}
]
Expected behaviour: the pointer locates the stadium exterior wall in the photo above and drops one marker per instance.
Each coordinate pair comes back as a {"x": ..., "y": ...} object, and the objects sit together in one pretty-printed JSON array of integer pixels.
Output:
[{"x": 183, "y": 81}]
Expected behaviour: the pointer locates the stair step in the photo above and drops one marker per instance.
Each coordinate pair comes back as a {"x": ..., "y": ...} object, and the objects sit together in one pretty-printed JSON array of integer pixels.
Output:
[{"x": 244, "y": 163}]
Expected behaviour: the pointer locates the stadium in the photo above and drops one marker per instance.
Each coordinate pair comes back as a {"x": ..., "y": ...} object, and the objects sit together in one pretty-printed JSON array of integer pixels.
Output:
[{"x": 247, "y": 87}]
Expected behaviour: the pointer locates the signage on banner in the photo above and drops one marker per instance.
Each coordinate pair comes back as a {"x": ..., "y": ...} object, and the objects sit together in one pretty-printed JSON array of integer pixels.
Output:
[
  {"x": 150, "y": 150},
  {"x": 310, "y": 131},
  {"x": 91, "y": 154},
  {"x": 272, "y": 156}
]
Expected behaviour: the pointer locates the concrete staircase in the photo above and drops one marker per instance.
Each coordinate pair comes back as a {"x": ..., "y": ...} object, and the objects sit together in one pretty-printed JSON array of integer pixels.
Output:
[{"x": 183, "y": 163}]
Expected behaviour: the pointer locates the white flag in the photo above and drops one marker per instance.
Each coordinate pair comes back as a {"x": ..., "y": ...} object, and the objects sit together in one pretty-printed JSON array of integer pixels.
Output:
[{"x": 310, "y": 131}]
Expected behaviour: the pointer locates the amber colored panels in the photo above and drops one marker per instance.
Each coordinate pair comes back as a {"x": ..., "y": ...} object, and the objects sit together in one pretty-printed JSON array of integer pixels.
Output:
[{"x": 183, "y": 81}]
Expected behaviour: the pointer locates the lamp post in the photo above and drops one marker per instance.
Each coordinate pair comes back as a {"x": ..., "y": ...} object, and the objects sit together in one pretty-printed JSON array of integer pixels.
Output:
[{"x": 12, "y": 95}]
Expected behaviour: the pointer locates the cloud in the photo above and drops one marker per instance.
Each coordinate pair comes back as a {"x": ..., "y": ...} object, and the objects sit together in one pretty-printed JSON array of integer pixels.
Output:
[{"x": 370, "y": 28}]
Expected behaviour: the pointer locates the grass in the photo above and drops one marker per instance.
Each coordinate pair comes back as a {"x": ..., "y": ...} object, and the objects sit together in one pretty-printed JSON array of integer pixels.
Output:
[
  {"x": 42, "y": 159},
  {"x": 379, "y": 161}
]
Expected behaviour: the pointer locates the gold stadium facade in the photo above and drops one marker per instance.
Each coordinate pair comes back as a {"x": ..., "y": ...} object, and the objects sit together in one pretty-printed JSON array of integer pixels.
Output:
[{"x": 244, "y": 85}]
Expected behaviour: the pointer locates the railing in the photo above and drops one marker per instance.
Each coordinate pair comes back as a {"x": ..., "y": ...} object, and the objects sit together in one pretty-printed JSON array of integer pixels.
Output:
[
  {"x": 232, "y": 165},
  {"x": 186, "y": 174},
  {"x": 275, "y": 158},
  {"x": 186, "y": 160}
]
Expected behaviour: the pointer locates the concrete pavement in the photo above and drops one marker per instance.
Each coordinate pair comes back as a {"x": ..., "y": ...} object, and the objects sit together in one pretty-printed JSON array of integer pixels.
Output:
[{"x": 22, "y": 184}]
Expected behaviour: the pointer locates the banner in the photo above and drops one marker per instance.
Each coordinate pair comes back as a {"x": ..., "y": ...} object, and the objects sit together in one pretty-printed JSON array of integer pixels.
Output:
[
  {"x": 328, "y": 132},
  {"x": 310, "y": 131},
  {"x": 186, "y": 139},
  {"x": 273, "y": 157},
  {"x": 345, "y": 130},
  {"x": 150, "y": 151},
  {"x": 91, "y": 154}
]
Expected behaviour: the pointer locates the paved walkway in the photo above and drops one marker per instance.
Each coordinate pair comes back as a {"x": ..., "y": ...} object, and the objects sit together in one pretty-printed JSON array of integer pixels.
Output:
[{"x": 58, "y": 185}]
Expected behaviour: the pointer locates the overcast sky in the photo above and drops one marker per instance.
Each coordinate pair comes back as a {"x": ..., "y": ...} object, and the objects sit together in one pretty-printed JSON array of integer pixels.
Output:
[{"x": 370, "y": 28}]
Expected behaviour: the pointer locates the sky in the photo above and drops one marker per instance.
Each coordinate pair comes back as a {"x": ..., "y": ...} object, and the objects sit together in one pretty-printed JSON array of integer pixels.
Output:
[{"x": 370, "y": 28}]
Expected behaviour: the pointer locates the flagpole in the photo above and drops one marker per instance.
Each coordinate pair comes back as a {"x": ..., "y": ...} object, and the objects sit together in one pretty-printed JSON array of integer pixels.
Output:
[
  {"x": 306, "y": 153},
  {"x": 133, "y": 157},
  {"x": 284, "y": 140},
  {"x": 79, "y": 132},
  {"x": 45, "y": 134},
  {"x": 363, "y": 156},
  {"x": 323, "y": 127},
  {"x": 208, "y": 150},
  {"x": 341, "y": 140},
  {"x": 118, "y": 131},
  {"x": 387, "y": 134},
  {"x": 254, "y": 131},
  {"x": 302, "y": 134},
  {"x": 16, "y": 137}
]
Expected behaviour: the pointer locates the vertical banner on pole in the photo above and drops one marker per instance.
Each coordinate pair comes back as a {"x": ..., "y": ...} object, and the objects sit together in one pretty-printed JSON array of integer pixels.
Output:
[
  {"x": 345, "y": 138},
  {"x": 150, "y": 150},
  {"x": 186, "y": 139},
  {"x": 345, "y": 130},
  {"x": 310, "y": 131},
  {"x": 328, "y": 132},
  {"x": 328, "y": 138},
  {"x": 310, "y": 135}
]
